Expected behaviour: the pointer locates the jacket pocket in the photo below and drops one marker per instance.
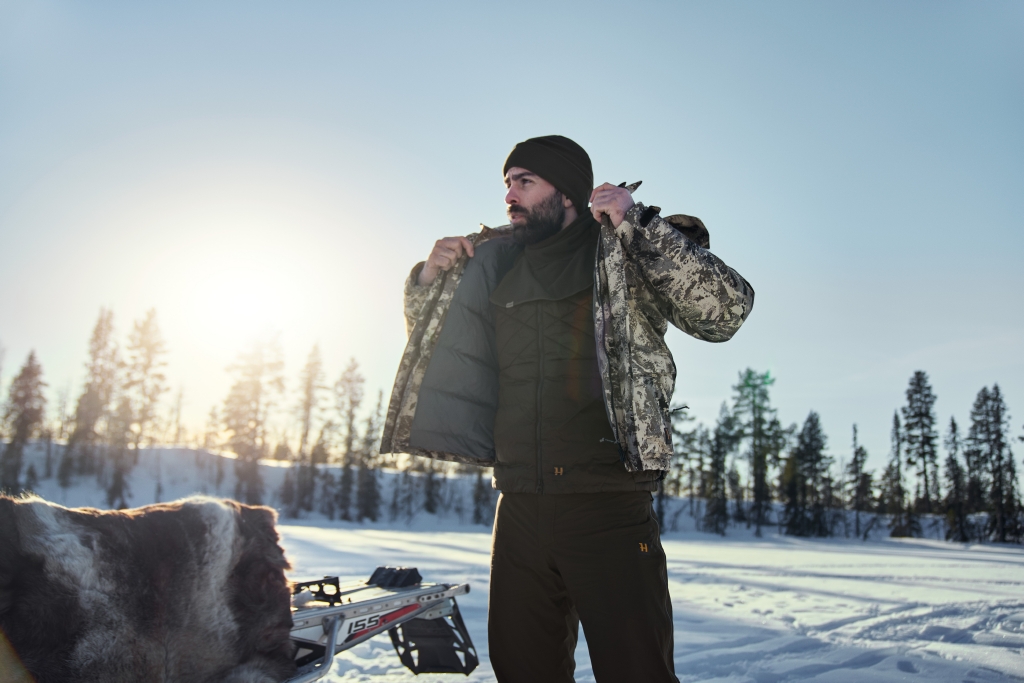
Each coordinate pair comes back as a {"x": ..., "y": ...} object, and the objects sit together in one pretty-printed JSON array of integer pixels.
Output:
[{"x": 653, "y": 425}]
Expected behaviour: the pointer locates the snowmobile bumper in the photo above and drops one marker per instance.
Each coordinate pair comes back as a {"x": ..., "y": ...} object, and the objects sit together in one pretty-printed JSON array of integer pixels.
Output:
[{"x": 423, "y": 620}]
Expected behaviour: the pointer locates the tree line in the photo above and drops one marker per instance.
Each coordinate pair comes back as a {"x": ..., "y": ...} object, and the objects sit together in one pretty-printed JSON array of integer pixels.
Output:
[
  {"x": 327, "y": 433},
  {"x": 746, "y": 468},
  {"x": 792, "y": 481},
  {"x": 115, "y": 415}
]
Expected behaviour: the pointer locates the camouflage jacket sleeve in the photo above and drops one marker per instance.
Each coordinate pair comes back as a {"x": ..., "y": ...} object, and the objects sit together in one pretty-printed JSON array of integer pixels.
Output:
[
  {"x": 415, "y": 297},
  {"x": 698, "y": 293}
]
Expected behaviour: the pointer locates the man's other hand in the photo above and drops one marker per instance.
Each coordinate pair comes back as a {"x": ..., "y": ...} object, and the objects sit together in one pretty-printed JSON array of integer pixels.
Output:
[
  {"x": 609, "y": 200},
  {"x": 446, "y": 252}
]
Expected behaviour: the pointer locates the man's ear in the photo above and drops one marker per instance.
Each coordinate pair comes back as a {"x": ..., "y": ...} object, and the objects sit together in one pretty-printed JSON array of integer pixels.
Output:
[{"x": 566, "y": 202}]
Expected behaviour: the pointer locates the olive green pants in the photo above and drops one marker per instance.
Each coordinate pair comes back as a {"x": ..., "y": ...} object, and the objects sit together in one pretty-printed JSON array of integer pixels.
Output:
[{"x": 558, "y": 560}]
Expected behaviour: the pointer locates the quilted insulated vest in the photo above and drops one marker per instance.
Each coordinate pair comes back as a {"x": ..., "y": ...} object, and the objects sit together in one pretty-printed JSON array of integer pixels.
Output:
[
  {"x": 551, "y": 431},
  {"x": 648, "y": 272}
]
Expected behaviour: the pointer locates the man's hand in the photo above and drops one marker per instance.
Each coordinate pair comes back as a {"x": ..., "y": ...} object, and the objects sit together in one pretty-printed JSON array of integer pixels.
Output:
[
  {"x": 444, "y": 255},
  {"x": 611, "y": 201}
]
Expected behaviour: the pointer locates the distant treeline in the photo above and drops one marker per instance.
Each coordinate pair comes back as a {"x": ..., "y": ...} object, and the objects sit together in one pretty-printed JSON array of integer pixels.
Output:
[
  {"x": 116, "y": 413},
  {"x": 120, "y": 410},
  {"x": 792, "y": 481},
  {"x": 746, "y": 469}
]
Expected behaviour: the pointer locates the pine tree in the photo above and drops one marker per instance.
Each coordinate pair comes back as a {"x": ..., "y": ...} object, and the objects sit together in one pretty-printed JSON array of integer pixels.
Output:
[
  {"x": 403, "y": 497},
  {"x": 704, "y": 444},
  {"x": 311, "y": 384},
  {"x": 481, "y": 499},
  {"x": 65, "y": 470},
  {"x": 892, "y": 498},
  {"x": 368, "y": 487},
  {"x": 1014, "y": 521},
  {"x": 146, "y": 381},
  {"x": 396, "y": 495},
  {"x": 179, "y": 429},
  {"x": 218, "y": 474},
  {"x": 716, "y": 514},
  {"x": 431, "y": 488},
  {"x": 832, "y": 502},
  {"x": 687, "y": 458},
  {"x": 975, "y": 449},
  {"x": 991, "y": 470},
  {"x": 159, "y": 485},
  {"x": 1020, "y": 511},
  {"x": 920, "y": 438},
  {"x": 120, "y": 436},
  {"x": 902, "y": 521},
  {"x": 805, "y": 482},
  {"x": 736, "y": 492},
  {"x": 682, "y": 449},
  {"x": 321, "y": 453},
  {"x": 304, "y": 479},
  {"x": 22, "y": 417},
  {"x": 47, "y": 435},
  {"x": 343, "y": 494},
  {"x": 287, "y": 494},
  {"x": 282, "y": 451},
  {"x": 31, "y": 478},
  {"x": 63, "y": 419},
  {"x": 758, "y": 425},
  {"x": 368, "y": 498},
  {"x": 102, "y": 371},
  {"x": 211, "y": 436},
  {"x": 1002, "y": 471},
  {"x": 348, "y": 393},
  {"x": 859, "y": 481},
  {"x": 328, "y": 494},
  {"x": 298, "y": 490},
  {"x": 253, "y": 395},
  {"x": 671, "y": 481},
  {"x": 957, "y": 522}
]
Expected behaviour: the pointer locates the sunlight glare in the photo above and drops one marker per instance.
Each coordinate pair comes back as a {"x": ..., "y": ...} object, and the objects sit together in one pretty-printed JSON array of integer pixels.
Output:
[{"x": 231, "y": 294}]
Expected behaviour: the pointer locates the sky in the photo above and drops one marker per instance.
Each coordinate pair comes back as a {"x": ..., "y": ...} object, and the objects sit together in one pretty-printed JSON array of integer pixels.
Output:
[{"x": 256, "y": 169}]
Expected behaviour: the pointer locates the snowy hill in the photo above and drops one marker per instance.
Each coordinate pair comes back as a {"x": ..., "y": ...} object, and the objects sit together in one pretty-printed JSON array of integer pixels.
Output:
[
  {"x": 163, "y": 474},
  {"x": 766, "y": 609}
]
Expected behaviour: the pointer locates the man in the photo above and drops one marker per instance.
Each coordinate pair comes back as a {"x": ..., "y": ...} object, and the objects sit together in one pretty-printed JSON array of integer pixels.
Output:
[{"x": 538, "y": 348}]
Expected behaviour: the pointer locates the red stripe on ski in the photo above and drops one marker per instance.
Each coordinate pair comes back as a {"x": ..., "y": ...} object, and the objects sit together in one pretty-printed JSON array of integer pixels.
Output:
[{"x": 384, "y": 621}]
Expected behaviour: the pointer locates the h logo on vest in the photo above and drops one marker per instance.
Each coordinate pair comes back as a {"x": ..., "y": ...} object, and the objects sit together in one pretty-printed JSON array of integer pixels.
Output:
[
  {"x": 559, "y": 471},
  {"x": 643, "y": 547}
]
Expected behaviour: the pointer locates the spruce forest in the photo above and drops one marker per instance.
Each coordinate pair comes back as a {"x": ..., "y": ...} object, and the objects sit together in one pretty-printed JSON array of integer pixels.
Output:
[{"x": 747, "y": 468}]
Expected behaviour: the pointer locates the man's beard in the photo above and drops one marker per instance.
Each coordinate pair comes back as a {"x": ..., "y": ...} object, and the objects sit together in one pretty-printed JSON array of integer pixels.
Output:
[{"x": 542, "y": 221}]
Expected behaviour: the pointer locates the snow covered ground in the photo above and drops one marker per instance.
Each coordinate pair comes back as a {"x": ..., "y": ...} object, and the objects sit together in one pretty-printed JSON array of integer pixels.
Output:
[
  {"x": 760, "y": 610},
  {"x": 746, "y": 609}
]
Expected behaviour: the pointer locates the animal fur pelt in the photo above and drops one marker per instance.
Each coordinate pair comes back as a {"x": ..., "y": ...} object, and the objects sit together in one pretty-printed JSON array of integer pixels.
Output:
[{"x": 192, "y": 590}]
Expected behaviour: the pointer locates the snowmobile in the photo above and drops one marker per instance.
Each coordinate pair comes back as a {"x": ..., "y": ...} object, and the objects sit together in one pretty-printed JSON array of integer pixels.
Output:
[{"x": 423, "y": 620}]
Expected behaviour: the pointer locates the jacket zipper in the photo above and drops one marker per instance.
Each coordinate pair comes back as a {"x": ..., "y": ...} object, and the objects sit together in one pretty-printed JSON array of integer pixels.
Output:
[{"x": 540, "y": 390}]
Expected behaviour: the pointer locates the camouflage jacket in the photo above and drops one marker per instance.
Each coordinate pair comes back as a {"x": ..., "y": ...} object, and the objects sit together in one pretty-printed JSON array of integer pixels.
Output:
[{"x": 647, "y": 273}]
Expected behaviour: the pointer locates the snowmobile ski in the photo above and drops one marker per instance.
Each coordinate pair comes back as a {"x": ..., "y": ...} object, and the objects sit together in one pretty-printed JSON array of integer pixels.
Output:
[{"x": 423, "y": 620}]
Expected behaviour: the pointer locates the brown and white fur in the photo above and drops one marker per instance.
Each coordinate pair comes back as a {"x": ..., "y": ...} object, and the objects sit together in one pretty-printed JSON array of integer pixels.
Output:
[{"x": 192, "y": 590}]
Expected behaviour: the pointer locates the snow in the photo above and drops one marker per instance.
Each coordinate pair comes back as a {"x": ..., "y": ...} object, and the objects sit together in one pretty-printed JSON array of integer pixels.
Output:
[
  {"x": 747, "y": 609},
  {"x": 175, "y": 472}
]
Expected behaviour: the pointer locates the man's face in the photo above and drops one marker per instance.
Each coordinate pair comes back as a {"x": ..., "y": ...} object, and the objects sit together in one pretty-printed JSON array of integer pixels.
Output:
[{"x": 536, "y": 209}]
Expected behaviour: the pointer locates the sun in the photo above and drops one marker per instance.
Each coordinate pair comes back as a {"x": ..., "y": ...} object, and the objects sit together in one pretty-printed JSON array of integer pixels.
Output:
[
  {"x": 229, "y": 294},
  {"x": 239, "y": 296}
]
